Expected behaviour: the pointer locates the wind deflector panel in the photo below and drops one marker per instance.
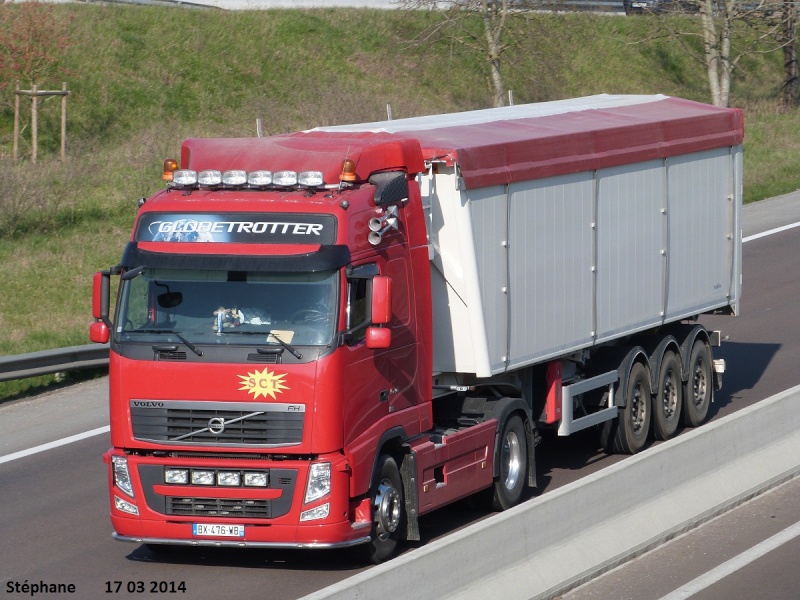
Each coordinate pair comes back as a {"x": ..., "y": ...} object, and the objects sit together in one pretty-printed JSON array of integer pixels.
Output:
[{"x": 326, "y": 258}]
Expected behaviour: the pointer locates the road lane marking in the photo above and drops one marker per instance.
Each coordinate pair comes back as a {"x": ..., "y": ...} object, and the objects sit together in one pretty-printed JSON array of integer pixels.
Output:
[
  {"x": 756, "y": 236},
  {"x": 50, "y": 445},
  {"x": 737, "y": 562}
]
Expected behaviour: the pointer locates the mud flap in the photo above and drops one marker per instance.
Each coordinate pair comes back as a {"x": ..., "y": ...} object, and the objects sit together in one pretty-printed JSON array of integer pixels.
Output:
[{"x": 408, "y": 473}]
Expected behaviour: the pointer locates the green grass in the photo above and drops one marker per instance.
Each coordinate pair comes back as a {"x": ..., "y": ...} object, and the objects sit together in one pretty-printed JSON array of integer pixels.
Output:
[{"x": 143, "y": 78}]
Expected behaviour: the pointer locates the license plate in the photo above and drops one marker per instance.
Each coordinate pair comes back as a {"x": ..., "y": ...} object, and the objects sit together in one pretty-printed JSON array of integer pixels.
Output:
[{"x": 218, "y": 530}]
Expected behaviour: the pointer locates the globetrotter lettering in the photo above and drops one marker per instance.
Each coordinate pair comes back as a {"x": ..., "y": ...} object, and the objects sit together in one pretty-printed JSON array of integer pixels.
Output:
[{"x": 186, "y": 226}]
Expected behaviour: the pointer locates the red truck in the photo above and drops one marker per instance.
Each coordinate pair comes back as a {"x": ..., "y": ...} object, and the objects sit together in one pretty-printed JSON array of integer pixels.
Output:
[{"x": 321, "y": 336}]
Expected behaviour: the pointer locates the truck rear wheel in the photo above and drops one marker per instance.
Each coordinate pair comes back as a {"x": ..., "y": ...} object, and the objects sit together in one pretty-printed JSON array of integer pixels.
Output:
[
  {"x": 510, "y": 483},
  {"x": 698, "y": 390},
  {"x": 388, "y": 510},
  {"x": 668, "y": 399},
  {"x": 627, "y": 434}
]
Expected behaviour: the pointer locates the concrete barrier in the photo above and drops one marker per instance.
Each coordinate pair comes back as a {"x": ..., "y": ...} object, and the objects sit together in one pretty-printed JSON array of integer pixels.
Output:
[{"x": 554, "y": 543}]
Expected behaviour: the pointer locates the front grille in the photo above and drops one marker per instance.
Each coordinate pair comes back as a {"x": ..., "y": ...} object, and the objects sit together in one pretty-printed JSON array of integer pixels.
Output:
[
  {"x": 219, "y": 507},
  {"x": 218, "y": 423}
]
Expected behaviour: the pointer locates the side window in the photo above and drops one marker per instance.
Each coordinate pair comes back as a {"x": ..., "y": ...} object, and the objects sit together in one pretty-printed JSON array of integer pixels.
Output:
[
  {"x": 359, "y": 288},
  {"x": 357, "y": 313}
]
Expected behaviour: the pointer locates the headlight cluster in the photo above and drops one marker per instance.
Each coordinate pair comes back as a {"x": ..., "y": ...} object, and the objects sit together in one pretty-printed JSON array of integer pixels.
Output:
[
  {"x": 178, "y": 476},
  {"x": 319, "y": 481},
  {"x": 122, "y": 477}
]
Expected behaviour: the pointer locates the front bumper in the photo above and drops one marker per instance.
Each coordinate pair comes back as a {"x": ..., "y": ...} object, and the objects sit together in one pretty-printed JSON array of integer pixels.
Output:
[{"x": 271, "y": 516}]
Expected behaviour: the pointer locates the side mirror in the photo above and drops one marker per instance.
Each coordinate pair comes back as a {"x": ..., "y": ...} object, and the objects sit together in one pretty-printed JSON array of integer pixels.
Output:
[
  {"x": 101, "y": 292},
  {"x": 378, "y": 338},
  {"x": 98, "y": 332},
  {"x": 381, "y": 299}
]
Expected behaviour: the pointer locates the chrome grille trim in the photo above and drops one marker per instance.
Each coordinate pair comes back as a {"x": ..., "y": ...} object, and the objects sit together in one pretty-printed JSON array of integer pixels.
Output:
[{"x": 231, "y": 424}]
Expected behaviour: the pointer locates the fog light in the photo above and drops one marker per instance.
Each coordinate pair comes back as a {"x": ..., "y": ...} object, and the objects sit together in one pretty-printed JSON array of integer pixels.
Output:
[
  {"x": 203, "y": 477},
  {"x": 230, "y": 478},
  {"x": 176, "y": 476},
  {"x": 319, "y": 512},
  {"x": 122, "y": 478},
  {"x": 255, "y": 479},
  {"x": 125, "y": 506}
]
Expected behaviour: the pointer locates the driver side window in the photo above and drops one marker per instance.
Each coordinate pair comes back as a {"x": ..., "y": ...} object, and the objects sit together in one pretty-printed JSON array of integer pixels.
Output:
[{"x": 359, "y": 285}]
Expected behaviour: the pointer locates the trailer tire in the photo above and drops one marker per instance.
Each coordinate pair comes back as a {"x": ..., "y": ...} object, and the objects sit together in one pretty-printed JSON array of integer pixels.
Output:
[
  {"x": 513, "y": 448},
  {"x": 698, "y": 389},
  {"x": 668, "y": 399},
  {"x": 388, "y": 510},
  {"x": 628, "y": 433}
]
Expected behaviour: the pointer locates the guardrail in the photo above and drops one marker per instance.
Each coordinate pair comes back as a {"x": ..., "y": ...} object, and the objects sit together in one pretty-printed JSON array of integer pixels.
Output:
[
  {"x": 47, "y": 362},
  {"x": 551, "y": 544}
]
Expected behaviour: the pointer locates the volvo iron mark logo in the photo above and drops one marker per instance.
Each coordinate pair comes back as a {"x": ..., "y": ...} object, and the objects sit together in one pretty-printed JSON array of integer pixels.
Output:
[{"x": 216, "y": 425}]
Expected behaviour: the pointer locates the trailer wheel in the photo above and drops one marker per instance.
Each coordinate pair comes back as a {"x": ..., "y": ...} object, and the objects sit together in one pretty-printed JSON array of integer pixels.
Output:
[
  {"x": 668, "y": 399},
  {"x": 698, "y": 389},
  {"x": 627, "y": 434},
  {"x": 510, "y": 483},
  {"x": 388, "y": 512}
]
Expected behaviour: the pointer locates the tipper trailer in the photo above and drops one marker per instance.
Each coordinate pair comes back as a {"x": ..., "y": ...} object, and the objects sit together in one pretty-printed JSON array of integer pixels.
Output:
[{"x": 321, "y": 336}]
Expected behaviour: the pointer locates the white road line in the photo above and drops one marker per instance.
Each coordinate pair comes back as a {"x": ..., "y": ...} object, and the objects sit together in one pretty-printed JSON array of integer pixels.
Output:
[
  {"x": 737, "y": 562},
  {"x": 49, "y": 445},
  {"x": 770, "y": 232}
]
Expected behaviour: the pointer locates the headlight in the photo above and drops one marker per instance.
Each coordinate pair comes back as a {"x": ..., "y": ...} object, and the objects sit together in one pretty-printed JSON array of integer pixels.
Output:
[
  {"x": 202, "y": 477},
  {"x": 122, "y": 478},
  {"x": 319, "y": 481},
  {"x": 229, "y": 478},
  {"x": 320, "y": 512},
  {"x": 176, "y": 476},
  {"x": 255, "y": 479}
]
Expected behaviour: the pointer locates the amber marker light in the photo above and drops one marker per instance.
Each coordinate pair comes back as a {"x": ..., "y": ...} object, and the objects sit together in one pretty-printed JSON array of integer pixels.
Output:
[
  {"x": 170, "y": 166},
  {"x": 348, "y": 171}
]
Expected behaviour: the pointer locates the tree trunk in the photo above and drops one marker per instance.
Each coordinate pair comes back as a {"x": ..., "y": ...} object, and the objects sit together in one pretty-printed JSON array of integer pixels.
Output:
[
  {"x": 791, "y": 85},
  {"x": 494, "y": 22},
  {"x": 717, "y": 31}
]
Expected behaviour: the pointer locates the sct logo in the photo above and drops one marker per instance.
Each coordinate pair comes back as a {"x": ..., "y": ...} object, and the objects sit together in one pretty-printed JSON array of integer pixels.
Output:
[{"x": 146, "y": 404}]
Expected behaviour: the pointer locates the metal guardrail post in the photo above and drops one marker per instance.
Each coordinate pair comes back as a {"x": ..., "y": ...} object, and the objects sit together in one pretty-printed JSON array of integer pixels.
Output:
[{"x": 47, "y": 362}]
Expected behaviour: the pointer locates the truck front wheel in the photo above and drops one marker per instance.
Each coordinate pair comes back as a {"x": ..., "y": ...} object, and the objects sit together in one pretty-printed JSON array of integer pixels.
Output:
[
  {"x": 388, "y": 510},
  {"x": 513, "y": 448}
]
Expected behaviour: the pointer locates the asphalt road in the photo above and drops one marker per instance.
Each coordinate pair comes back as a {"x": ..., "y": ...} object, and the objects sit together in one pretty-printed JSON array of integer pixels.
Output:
[{"x": 54, "y": 528}]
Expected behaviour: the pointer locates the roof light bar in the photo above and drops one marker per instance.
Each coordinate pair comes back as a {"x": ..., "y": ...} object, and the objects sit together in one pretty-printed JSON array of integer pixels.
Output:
[{"x": 187, "y": 178}]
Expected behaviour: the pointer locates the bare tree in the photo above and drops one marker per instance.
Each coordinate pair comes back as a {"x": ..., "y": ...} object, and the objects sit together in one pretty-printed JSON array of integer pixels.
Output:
[
  {"x": 456, "y": 26},
  {"x": 731, "y": 30}
]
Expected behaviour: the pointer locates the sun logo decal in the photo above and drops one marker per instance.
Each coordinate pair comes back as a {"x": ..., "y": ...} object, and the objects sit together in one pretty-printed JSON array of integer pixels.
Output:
[{"x": 263, "y": 383}]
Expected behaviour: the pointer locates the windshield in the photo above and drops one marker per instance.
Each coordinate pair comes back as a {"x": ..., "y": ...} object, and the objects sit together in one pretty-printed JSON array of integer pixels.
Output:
[{"x": 228, "y": 307}]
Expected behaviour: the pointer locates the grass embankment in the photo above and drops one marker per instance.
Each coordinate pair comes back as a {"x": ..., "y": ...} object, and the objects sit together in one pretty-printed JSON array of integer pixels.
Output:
[{"x": 143, "y": 78}]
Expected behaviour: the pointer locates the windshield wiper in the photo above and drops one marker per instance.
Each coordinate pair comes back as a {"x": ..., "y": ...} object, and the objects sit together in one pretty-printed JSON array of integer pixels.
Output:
[
  {"x": 294, "y": 352},
  {"x": 177, "y": 334}
]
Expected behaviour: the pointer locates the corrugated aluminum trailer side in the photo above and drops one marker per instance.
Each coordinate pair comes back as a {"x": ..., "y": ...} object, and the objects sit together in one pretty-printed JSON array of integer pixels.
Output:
[{"x": 538, "y": 269}]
